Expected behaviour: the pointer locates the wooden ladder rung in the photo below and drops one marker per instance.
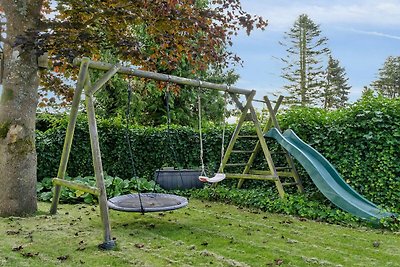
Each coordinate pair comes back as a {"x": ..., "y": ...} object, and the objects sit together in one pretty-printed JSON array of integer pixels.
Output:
[
  {"x": 263, "y": 172},
  {"x": 292, "y": 183},
  {"x": 243, "y": 151},
  {"x": 259, "y": 101},
  {"x": 251, "y": 176},
  {"x": 283, "y": 168},
  {"x": 235, "y": 164},
  {"x": 247, "y": 136}
]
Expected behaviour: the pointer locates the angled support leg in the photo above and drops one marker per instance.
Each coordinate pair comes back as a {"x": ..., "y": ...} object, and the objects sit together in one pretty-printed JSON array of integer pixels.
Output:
[
  {"x": 82, "y": 82},
  {"x": 289, "y": 159}
]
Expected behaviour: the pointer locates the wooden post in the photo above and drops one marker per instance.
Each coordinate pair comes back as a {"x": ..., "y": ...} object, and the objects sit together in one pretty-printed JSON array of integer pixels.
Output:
[
  {"x": 109, "y": 243},
  {"x": 69, "y": 135}
]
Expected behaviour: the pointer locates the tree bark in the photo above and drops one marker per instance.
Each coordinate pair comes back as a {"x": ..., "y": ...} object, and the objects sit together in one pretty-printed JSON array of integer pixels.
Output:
[{"x": 18, "y": 104}]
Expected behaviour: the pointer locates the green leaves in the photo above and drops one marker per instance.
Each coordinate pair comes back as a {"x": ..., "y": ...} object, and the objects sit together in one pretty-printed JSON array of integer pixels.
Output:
[
  {"x": 303, "y": 67},
  {"x": 362, "y": 142},
  {"x": 388, "y": 82},
  {"x": 115, "y": 186}
]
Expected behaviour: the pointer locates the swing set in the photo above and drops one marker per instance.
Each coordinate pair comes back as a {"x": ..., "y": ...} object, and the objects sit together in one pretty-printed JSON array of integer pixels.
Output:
[{"x": 150, "y": 202}]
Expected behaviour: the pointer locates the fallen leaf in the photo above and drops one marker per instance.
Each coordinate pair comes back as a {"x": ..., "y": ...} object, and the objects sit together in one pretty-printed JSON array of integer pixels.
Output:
[
  {"x": 17, "y": 248},
  {"x": 139, "y": 245},
  {"x": 63, "y": 257}
]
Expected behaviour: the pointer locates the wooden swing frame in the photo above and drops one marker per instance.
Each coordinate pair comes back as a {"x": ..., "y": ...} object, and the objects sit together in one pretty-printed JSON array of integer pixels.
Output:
[{"x": 85, "y": 86}]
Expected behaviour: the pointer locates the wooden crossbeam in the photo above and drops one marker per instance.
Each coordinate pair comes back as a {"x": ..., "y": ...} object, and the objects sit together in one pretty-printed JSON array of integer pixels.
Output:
[
  {"x": 76, "y": 186},
  {"x": 251, "y": 176}
]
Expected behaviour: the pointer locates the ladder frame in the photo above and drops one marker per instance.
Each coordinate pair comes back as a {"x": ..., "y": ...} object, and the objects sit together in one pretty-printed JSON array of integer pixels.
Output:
[{"x": 248, "y": 173}]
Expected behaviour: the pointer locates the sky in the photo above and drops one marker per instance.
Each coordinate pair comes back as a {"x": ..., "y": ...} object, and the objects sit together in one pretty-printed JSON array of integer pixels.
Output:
[{"x": 361, "y": 35}]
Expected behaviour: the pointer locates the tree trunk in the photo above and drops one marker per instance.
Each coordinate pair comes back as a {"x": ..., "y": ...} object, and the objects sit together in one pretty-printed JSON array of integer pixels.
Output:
[
  {"x": 303, "y": 66},
  {"x": 18, "y": 104}
]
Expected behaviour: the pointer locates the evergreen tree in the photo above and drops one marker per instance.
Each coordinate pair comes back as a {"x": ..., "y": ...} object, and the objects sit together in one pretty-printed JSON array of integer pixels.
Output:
[
  {"x": 388, "y": 83},
  {"x": 336, "y": 89},
  {"x": 303, "y": 63}
]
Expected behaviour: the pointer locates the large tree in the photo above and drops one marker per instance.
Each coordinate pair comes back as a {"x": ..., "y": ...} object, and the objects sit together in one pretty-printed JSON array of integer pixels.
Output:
[
  {"x": 388, "y": 82},
  {"x": 335, "y": 90},
  {"x": 306, "y": 51},
  {"x": 183, "y": 30}
]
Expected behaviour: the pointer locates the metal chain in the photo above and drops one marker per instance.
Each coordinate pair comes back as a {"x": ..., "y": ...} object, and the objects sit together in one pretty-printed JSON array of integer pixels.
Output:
[{"x": 128, "y": 112}]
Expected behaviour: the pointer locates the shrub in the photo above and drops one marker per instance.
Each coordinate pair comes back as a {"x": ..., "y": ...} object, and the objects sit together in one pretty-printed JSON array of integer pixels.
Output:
[
  {"x": 362, "y": 142},
  {"x": 115, "y": 186}
]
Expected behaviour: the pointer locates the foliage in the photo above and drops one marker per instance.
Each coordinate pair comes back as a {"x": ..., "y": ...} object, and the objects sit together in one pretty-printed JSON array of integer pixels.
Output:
[
  {"x": 115, "y": 186},
  {"x": 159, "y": 35},
  {"x": 335, "y": 89},
  {"x": 303, "y": 68},
  {"x": 152, "y": 148},
  {"x": 361, "y": 141},
  {"x": 388, "y": 82},
  {"x": 148, "y": 98}
]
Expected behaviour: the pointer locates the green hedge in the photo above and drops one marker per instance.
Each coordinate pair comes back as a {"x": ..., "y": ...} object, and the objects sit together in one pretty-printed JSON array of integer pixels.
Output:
[
  {"x": 152, "y": 148},
  {"x": 362, "y": 141}
]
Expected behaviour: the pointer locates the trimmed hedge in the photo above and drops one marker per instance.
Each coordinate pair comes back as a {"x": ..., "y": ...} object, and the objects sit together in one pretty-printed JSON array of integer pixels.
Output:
[
  {"x": 152, "y": 148},
  {"x": 362, "y": 141}
]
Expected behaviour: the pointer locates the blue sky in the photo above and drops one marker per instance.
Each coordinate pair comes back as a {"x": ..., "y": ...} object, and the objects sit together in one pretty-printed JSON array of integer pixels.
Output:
[{"x": 361, "y": 33}]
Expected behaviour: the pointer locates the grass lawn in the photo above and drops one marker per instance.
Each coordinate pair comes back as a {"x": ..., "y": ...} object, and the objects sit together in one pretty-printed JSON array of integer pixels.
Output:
[{"x": 203, "y": 234}]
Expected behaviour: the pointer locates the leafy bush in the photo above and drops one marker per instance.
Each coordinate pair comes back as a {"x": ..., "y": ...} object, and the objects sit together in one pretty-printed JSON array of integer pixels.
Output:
[
  {"x": 152, "y": 148},
  {"x": 362, "y": 142},
  {"x": 115, "y": 186}
]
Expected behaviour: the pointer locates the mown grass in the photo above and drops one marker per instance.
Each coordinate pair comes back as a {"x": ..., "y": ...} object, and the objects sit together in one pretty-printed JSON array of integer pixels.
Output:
[{"x": 203, "y": 234}]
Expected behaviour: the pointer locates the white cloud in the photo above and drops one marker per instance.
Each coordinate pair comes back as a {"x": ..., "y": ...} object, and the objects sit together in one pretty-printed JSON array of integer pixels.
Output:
[{"x": 381, "y": 34}]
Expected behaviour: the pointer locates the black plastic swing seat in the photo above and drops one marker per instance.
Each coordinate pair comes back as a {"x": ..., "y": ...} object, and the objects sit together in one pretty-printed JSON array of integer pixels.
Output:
[{"x": 147, "y": 202}]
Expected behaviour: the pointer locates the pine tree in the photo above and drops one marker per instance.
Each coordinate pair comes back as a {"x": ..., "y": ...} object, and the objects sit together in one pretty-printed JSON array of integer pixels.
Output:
[
  {"x": 388, "y": 83},
  {"x": 303, "y": 63},
  {"x": 336, "y": 89}
]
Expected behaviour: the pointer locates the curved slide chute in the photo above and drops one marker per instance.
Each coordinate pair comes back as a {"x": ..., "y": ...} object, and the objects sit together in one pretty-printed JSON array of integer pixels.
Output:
[{"x": 326, "y": 178}]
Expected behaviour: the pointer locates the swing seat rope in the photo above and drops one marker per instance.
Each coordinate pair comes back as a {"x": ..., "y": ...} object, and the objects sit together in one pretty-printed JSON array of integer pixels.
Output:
[{"x": 218, "y": 177}]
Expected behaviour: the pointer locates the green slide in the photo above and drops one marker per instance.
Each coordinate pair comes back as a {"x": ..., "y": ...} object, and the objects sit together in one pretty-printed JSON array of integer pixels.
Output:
[{"x": 326, "y": 178}]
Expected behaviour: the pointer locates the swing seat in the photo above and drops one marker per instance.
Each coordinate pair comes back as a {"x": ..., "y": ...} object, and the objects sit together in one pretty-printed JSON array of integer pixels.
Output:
[
  {"x": 217, "y": 178},
  {"x": 147, "y": 202}
]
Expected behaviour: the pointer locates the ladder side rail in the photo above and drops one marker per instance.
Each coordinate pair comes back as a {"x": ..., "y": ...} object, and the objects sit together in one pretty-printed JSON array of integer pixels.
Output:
[
  {"x": 289, "y": 159},
  {"x": 236, "y": 132}
]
